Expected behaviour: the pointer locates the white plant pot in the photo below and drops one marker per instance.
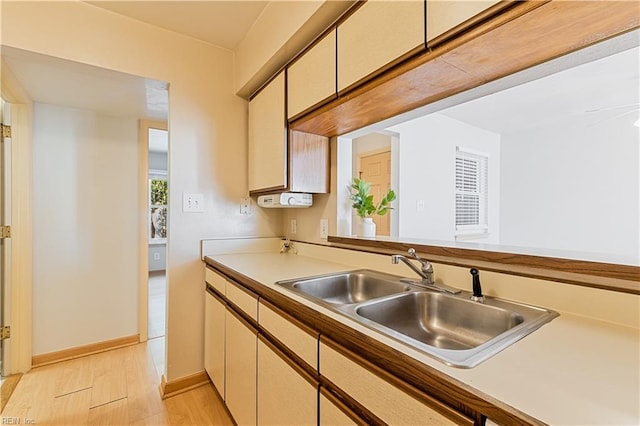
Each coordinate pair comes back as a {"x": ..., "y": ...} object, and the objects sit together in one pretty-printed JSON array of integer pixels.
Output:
[{"x": 366, "y": 228}]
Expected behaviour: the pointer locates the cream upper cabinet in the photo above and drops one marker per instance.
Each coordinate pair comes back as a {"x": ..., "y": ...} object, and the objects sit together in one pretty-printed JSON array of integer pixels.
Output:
[
  {"x": 214, "y": 340},
  {"x": 378, "y": 33},
  {"x": 268, "y": 137},
  {"x": 300, "y": 164},
  {"x": 312, "y": 78},
  {"x": 445, "y": 15}
]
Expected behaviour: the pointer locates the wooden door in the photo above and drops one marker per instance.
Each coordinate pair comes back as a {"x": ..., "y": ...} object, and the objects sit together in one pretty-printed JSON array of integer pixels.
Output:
[{"x": 376, "y": 169}]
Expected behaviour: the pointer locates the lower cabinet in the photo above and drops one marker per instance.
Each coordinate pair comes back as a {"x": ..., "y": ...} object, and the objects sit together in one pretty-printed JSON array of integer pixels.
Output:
[
  {"x": 331, "y": 413},
  {"x": 286, "y": 395},
  {"x": 240, "y": 355},
  {"x": 279, "y": 371},
  {"x": 214, "y": 340}
]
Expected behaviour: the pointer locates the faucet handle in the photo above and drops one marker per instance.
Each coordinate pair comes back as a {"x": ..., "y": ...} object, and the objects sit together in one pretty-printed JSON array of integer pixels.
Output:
[
  {"x": 477, "y": 288},
  {"x": 412, "y": 253}
]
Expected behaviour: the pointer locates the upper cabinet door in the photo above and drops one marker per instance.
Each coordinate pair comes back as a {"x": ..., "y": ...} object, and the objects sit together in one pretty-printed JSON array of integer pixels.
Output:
[
  {"x": 268, "y": 137},
  {"x": 445, "y": 15},
  {"x": 312, "y": 78},
  {"x": 377, "y": 34}
]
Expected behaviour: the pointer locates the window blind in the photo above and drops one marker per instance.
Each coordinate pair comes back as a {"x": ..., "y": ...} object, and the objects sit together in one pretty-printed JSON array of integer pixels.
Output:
[{"x": 471, "y": 190}]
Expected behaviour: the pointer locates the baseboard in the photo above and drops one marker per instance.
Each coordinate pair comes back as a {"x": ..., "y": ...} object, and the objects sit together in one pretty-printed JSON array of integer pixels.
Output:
[
  {"x": 183, "y": 384},
  {"x": 80, "y": 351}
]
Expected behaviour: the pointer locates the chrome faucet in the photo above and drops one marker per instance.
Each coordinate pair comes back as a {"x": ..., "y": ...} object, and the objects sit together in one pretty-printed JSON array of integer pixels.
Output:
[
  {"x": 426, "y": 268},
  {"x": 425, "y": 271}
]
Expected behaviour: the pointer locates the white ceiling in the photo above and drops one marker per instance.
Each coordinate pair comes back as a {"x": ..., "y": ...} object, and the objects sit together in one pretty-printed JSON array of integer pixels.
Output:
[
  {"x": 58, "y": 81},
  {"x": 61, "y": 82},
  {"x": 599, "y": 90},
  {"x": 221, "y": 23}
]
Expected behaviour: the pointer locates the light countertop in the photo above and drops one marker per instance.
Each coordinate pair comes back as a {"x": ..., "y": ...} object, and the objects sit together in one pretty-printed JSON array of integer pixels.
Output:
[{"x": 572, "y": 371}]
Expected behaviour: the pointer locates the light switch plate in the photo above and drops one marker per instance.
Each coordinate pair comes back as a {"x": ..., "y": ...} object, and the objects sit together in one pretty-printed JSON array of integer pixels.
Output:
[
  {"x": 192, "y": 203},
  {"x": 324, "y": 228},
  {"x": 245, "y": 206}
]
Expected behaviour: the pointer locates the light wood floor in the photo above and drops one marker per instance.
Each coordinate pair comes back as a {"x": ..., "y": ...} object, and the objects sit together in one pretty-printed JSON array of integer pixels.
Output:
[{"x": 118, "y": 387}]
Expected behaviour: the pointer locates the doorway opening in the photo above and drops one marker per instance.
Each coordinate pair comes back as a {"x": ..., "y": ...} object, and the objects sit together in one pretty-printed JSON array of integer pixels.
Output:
[
  {"x": 85, "y": 130},
  {"x": 373, "y": 158},
  {"x": 157, "y": 143}
]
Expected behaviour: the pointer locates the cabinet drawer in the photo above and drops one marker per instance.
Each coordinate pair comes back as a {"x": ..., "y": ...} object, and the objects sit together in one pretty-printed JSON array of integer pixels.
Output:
[
  {"x": 216, "y": 280},
  {"x": 377, "y": 34},
  {"x": 247, "y": 302},
  {"x": 300, "y": 341},
  {"x": 386, "y": 401}
]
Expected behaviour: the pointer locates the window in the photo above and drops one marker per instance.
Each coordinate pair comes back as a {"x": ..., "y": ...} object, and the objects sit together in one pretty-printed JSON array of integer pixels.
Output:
[
  {"x": 158, "y": 208},
  {"x": 471, "y": 192}
]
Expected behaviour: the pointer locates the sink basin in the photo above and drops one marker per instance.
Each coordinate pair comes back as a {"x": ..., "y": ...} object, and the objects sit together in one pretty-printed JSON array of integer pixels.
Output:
[
  {"x": 347, "y": 288},
  {"x": 441, "y": 321},
  {"x": 451, "y": 328}
]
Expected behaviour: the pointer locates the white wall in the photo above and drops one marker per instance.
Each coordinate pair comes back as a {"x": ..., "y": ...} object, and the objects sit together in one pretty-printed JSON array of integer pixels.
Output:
[
  {"x": 208, "y": 139},
  {"x": 573, "y": 186},
  {"x": 158, "y": 160},
  {"x": 85, "y": 228},
  {"x": 427, "y": 156}
]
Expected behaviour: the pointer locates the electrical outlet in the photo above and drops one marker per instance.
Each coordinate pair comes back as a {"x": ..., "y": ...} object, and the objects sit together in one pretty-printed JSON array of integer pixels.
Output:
[
  {"x": 294, "y": 226},
  {"x": 324, "y": 228},
  {"x": 245, "y": 206},
  {"x": 420, "y": 205},
  {"x": 156, "y": 256},
  {"x": 192, "y": 203}
]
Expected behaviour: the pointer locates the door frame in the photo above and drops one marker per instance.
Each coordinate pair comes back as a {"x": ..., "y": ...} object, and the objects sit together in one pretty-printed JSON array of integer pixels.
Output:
[
  {"x": 20, "y": 297},
  {"x": 143, "y": 222},
  {"x": 371, "y": 153},
  {"x": 394, "y": 147}
]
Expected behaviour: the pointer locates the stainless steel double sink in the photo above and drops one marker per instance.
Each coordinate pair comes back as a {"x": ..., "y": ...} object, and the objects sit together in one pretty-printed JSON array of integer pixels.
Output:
[{"x": 451, "y": 328}]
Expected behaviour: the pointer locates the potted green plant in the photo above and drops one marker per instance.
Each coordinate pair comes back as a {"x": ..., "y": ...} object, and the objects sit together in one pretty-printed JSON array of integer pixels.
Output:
[{"x": 366, "y": 207}]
